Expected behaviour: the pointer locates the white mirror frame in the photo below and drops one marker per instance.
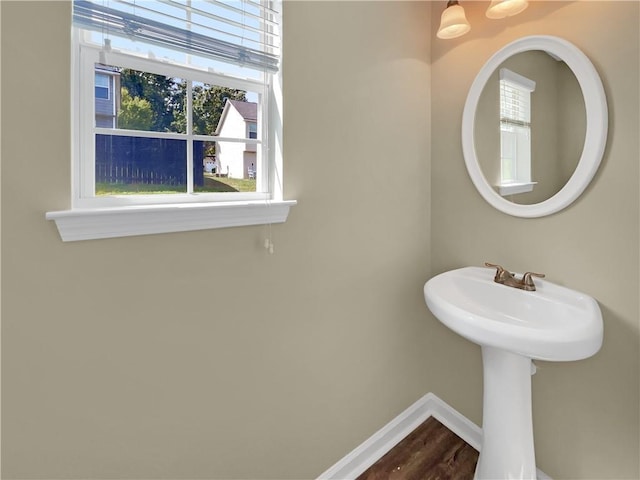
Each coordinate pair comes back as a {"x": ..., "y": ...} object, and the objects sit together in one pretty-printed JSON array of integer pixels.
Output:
[{"x": 595, "y": 137}]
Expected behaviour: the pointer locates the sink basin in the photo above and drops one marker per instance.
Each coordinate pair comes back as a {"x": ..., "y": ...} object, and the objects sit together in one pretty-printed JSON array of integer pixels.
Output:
[
  {"x": 513, "y": 326},
  {"x": 552, "y": 323}
]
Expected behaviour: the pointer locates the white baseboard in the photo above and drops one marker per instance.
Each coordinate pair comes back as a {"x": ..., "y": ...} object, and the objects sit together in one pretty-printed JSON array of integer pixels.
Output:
[{"x": 365, "y": 455}]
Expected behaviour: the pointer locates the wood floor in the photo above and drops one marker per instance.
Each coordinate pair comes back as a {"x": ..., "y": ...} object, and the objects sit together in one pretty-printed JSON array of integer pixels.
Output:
[{"x": 430, "y": 452}]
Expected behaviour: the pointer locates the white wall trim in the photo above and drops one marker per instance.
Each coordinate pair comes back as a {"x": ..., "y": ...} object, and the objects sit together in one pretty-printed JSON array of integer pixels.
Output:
[
  {"x": 78, "y": 224},
  {"x": 365, "y": 455}
]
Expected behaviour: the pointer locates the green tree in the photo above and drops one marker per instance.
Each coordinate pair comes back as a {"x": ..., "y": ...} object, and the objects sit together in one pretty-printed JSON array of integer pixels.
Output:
[
  {"x": 208, "y": 104},
  {"x": 163, "y": 94},
  {"x": 167, "y": 99},
  {"x": 135, "y": 113}
]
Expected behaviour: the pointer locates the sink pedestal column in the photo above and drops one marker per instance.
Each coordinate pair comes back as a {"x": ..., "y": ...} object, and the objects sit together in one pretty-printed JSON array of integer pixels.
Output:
[{"x": 507, "y": 428}]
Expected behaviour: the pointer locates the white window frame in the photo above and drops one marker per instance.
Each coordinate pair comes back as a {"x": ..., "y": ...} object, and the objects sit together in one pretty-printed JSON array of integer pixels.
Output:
[
  {"x": 518, "y": 178},
  {"x": 84, "y": 129},
  {"x": 93, "y": 217}
]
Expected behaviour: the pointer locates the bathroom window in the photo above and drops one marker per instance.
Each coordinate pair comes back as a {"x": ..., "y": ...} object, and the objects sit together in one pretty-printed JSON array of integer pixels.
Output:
[
  {"x": 515, "y": 133},
  {"x": 177, "y": 69},
  {"x": 190, "y": 80}
]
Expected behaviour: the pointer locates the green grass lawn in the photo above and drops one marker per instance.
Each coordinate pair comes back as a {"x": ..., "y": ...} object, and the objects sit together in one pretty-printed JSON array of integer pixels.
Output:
[
  {"x": 211, "y": 184},
  {"x": 221, "y": 184}
]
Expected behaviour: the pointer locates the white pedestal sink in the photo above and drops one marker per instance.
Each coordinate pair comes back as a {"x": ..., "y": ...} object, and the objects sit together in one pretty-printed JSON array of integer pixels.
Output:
[{"x": 513, "y": 327}]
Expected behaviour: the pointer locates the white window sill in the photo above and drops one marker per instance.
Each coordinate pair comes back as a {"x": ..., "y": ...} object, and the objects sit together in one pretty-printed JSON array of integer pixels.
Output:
[
  {"x": 89, "y": 224},
  {"x": 514, "y": 188}
]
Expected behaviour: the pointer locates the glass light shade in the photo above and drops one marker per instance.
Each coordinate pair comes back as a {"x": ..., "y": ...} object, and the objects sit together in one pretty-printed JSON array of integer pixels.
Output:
[
  {"x": 453, "y": 23},
  {"x": 506, "y": 8}
]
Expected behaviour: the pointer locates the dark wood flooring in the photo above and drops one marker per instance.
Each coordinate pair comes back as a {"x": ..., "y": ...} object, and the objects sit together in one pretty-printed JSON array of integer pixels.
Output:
[{"x": 430, "y": 452}]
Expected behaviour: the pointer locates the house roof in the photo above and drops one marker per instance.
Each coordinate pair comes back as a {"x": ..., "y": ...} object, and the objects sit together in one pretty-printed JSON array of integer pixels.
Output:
[
  {"x": 107, "y": 69},
  {"x": 247, "y": 110}
]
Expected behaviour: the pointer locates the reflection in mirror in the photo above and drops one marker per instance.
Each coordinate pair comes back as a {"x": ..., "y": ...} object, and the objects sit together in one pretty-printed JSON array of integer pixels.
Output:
[{"x": 529, "y": 148}]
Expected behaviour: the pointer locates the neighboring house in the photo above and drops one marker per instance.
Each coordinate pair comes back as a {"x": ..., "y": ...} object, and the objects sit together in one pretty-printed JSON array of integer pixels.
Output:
[
  {"x": 107, "y": 94},
  {"x": 238, "y": 120}
]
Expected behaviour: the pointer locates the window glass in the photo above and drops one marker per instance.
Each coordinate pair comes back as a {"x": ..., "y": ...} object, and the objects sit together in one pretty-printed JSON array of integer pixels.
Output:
[
  {"x": 223, "y": 111},
  {"x": 136, "y": 165},
  {"x": 146, "y": 101},
  {"x": 155, "y": 106},
  {"x": 240, "y": 161}
]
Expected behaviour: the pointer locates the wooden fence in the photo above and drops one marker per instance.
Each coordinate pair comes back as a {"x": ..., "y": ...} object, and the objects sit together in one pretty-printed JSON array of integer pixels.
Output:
[{"x": 155, "y": 161}]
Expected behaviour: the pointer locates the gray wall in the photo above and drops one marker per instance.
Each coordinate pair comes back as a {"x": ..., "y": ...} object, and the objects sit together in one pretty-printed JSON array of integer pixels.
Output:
[
  {"x": 146, "y": 357},
  {"x": 585, "y": 413}
]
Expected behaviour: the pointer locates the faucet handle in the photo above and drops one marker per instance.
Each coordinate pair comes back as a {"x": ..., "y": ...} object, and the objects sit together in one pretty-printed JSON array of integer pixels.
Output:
[
  {"x": 501, "y": 273},
  {"x": 528, "y": 281}
]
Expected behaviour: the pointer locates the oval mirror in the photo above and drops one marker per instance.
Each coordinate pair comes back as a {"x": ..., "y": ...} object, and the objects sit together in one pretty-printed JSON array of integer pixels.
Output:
[{"x": 534, "y": 126}]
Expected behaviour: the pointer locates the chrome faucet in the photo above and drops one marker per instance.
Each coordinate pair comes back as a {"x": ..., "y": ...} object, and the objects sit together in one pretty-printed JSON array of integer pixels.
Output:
[{"x": 507, "y": 278}]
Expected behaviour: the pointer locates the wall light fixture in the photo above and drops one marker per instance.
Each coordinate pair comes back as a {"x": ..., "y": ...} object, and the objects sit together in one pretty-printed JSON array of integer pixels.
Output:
[
  {"x": 453, "y": 22},
  {"x": 506, "y": 8}
]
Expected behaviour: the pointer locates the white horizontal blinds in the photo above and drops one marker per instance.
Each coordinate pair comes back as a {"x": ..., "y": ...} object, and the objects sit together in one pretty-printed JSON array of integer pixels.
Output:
[
  {"x": 241, "y": 32},
  {"x": 515, "y": 98}
]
